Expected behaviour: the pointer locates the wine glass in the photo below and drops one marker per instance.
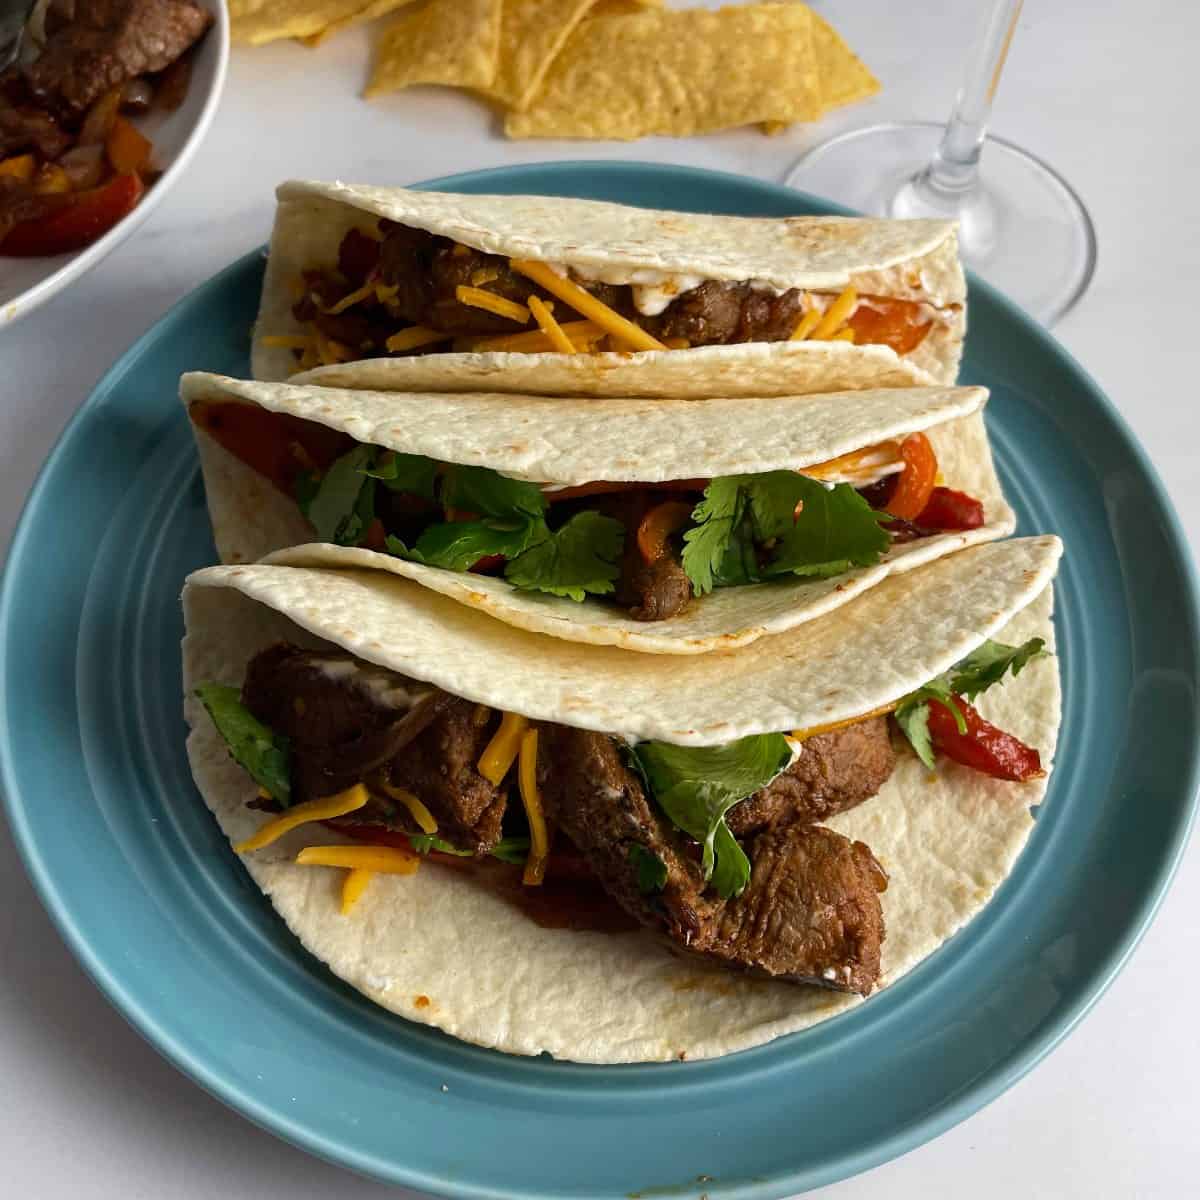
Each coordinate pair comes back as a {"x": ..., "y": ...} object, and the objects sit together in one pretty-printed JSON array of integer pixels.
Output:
[{"x": 1021, "y": 225}]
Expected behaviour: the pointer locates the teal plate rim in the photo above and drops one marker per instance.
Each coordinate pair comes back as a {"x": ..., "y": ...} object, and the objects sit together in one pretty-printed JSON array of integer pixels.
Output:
[{"x": 79, "y": 727}]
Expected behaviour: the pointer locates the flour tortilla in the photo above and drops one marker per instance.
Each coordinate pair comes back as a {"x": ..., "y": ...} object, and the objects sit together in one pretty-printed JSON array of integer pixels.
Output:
[
  {"x": 915, "y": 260},
  {"x": 436, "y": 948},
  {"x": 559, "y": 440}
]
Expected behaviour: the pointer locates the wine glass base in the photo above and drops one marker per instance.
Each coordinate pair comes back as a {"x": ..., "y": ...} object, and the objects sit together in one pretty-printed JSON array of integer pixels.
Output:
[{"x": 1023, "y": 228}]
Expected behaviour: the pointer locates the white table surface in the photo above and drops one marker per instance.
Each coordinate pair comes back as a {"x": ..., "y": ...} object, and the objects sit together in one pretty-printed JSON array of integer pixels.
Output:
[{"x": 1104, "y": 92}]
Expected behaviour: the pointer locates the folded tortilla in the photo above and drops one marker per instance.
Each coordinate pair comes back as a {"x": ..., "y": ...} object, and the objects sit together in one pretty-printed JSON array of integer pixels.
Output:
[
  {"x": 559, "y": 441},
  {"x": 903, "y": 260},
  {"x": 437, "y": 949}
]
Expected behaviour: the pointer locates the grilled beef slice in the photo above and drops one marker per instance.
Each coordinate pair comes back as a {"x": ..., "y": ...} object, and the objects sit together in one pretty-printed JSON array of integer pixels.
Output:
[
  {"x": 600, "y": 804},
  {"x": 810, "y": 913},
  {"x": 343, "y": 733},
  {"x": 95, "y": 45},
  {"x": 835, "y": 771}
]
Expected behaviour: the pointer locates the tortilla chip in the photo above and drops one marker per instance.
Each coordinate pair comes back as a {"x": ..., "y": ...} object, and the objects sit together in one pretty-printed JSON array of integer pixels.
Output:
[
  {"x": 380, "y": 8},
  {"x": 532, "y": 32},
  {"x": 678, "y": 73},
  {"x": 455, "y": 42},
  {"x": 255, "y": 22},
  {"x": 843, "y": 76}
]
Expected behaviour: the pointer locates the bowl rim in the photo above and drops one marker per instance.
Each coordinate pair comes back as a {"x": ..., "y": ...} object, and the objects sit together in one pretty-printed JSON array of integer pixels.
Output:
[{"x": 84, "y": 260}]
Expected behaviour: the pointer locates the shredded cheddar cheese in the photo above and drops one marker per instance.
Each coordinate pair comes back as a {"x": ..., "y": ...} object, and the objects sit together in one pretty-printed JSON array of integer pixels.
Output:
[
  {"x": 423, "y": 817},
  {"x": 876, "y": 456},
  {"x": 801, "y": 735},
  {"x": 287, "y": 341},
  {"x": 386, "y": 293},
  {"x": 484, "y": 275},
  {"x": 501, "y": 752},
  {"x": 353, "y": 886},
  {"x": 584, "y": 303},
  {"x": 806, "y": 325},
  {"x": 550, "y": 327},
  {"x": 475, "y": 297},
  {"x": 384, "y": 860},
  {"x": 324, "y": 809},
  {"x": 414, "y": 336},
  {"x": 677, "y": 343},
  {"x": 843, "y": 335},
  {"x": 581, "y": 333},
  {"x": 836, "y": 314},
  {"x": 363, "y": 293},
  {"x": 539, "y": 840},
  {"x": 329, "y": 350}
]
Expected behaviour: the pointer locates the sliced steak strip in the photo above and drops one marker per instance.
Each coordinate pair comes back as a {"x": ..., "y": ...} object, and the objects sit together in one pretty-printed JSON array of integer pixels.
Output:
[
  {"x": 439, "y": 768},
  {"x": 810, "y": 913},
  {"x": 350, "y": 723},
  {"x": 835, "y": 771},
  {"x": 600, "y": 804},
  {"x": 98, "y": 44}
]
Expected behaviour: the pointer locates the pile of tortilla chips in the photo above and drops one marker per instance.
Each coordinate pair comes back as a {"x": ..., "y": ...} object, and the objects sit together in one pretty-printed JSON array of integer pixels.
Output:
[{"x": 596, "y": 68}]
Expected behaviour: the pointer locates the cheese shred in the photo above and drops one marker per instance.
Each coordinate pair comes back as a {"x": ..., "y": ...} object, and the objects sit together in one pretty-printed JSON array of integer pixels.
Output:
[
  {"x": 286, "y": 341},
  {"x": 324, "y": 809},
  {"x": 806, "y": 324},
  {"x": 539, "y": 840},
  {"x": 366, "y": 292},
  {"x": 836, "y": 314},
  {"x": 383, "y": 860},
  {"x": 501, "y": 752},
  {"x": 353, "y": 886},
  {"x": 581, "y": 334},
  {"x": 550, "y": 327},
  {"x": 475, "y": 297},
  {"x": 414, "y": 336},
  {"x": 801, "y": 735},
  {"x": 419, "y": 813},
  {"x": 584, "y": 303}
]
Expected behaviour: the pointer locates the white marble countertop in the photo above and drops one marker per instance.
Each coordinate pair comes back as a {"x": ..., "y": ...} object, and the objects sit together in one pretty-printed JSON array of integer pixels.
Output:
[{"x": 1098, "y": 90}]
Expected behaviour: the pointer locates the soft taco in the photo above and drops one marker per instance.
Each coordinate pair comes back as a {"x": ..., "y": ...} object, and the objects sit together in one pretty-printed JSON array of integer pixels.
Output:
[
  {"x": 668, "y": 526},
  {"x": 393, "y": 289},
  {"x": 537, "y": 845}
]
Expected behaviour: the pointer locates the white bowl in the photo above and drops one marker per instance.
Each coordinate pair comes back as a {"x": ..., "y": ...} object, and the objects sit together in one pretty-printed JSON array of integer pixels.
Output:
[{"x": 27, "y": 282}]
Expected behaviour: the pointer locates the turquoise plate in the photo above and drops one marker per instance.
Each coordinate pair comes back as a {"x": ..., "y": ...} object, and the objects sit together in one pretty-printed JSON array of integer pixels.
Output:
[{"x": 147, "y": 894}]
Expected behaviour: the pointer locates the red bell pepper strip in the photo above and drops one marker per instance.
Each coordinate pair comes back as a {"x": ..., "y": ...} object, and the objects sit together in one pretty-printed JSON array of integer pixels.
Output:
[
  {"x": 915, "y": 485},
  {"x": 87, "y": 217},
  {"x": 948, "y": 509},
  {"x": 983, "y": 747}
]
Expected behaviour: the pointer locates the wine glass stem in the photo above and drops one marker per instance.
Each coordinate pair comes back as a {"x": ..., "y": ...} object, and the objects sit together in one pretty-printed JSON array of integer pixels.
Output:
[{"x": 954, "y": 168}]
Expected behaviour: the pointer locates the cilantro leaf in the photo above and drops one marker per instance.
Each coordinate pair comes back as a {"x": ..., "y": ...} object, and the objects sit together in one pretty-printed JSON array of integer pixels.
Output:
[
  {"x": 405, "y": 473},
  {"x": 651, "y": 871},
  {"x": 705, "y": 545},
  {"x": 731, "y": 869},
  {"x": 580, "y": 557},
  {"x": 423, "y": 843},
  {"x": 263, "y": 753},
  {"x": 987, "y": 664},
  {"x": 810, "y": 529},
  {"x": 511, "y": 850},
  {"x": 334, "y": 508},
  {"x": 697, "y": 785},
  {"x": 836, "y": 529},
  {"x": 480, "y": 490},
  {"x": 459, "y": 545},
  {"x": 913, "y": 721}
]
